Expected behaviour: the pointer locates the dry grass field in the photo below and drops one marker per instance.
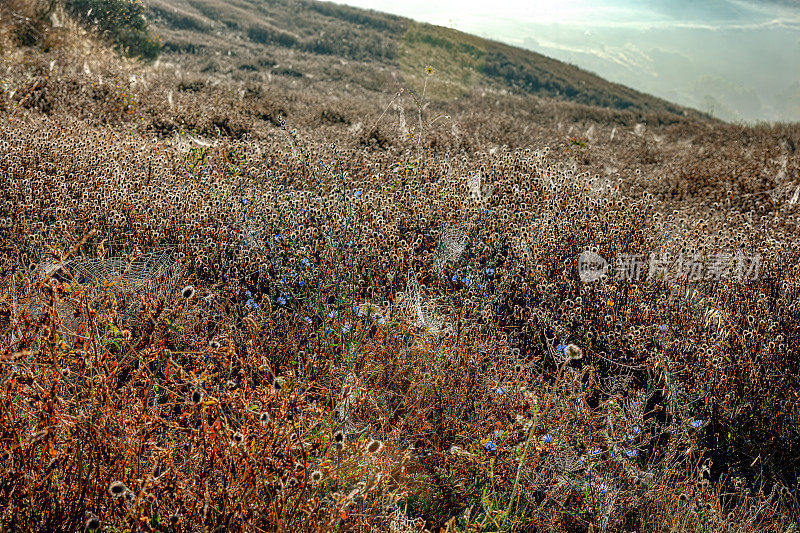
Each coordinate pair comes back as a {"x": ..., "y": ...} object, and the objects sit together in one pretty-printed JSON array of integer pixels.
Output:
[{"x": 351, "y": 294}]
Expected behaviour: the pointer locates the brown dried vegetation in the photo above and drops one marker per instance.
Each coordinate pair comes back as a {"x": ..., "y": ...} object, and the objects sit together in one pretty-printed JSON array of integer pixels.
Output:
[{"x": 210, "y": 319}]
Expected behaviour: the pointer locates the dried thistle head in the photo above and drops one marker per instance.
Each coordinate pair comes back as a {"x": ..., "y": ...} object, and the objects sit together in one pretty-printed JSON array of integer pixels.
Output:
[
  {"x": 573, "y": 353},
  {"x": 374, "y": 446},
  {"x": 196, "y": 396},
  {"x": 117, "y": 489}
]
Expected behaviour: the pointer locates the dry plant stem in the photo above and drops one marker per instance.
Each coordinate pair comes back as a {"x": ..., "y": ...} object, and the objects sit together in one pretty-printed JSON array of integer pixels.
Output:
[
  {"x": 528, "y": 441},
  {"x": 19, "y": 105}
]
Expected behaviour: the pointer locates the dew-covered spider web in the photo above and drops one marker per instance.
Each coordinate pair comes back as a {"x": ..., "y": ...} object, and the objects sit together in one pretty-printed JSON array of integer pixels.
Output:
[
  {"x": 452, "y": 244},
  {"x": 151, "y": 275},
  {"x": 421, "y": 312},
  {"x": 131, "y": 279}
]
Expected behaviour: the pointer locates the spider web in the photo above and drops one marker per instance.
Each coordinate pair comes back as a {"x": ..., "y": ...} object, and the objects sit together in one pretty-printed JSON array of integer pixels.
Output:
[
  {"x": 479, "y": 192},
  {"x": 452, "y": 244},
  {"x": 129, "y": 278},
  {"x": 423, "y": 313}
]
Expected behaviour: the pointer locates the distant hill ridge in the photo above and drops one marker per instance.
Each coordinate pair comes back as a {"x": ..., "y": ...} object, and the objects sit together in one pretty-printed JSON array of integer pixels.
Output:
[{"x": 326, "y": 41}]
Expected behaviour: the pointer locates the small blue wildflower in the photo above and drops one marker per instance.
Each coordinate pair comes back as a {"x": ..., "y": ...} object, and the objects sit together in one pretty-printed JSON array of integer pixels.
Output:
[
  {"x": 381, "y": 321},
  {"x": 479, "y": 286},
  {"x": 582, "y": 459},
  {"x": 281, "y": 300},
  {"x": 278, "y": 238},
  {"x": 245, "y": 201},
  {"x": 501, "y": 390},
  {"x": 631, "y": 453},
  {"x": 283, "y": 281},
  {"x": 498, "y": 433},
  {"x": 302, "y": 283},
  {"x": 696, "y": 424},
  {"x": 487, "y": 212},
  {"x": 248, "y": 294},
  {"x": 455, "y": 277},
  {"x": 345, "y": 329},
  {"x": 489, "y": 445},
  {"x": 663, "y": 327},
  {"x": 358, "y": 194},
  {"x": 305, "y": 261},
  {"x": 328, "y": 330},
  {"x": 250, "y": 304},
  {"x": 602, "y": 488},
  {"x": 547, "y": 439},
  {"x": 484, "y": 294},
  {"x": 634, "y": 404},
  {"x": 466, "y": 281},
  {"x": 596, "y": 451},
  {"x": 561, "y": 347},
  {"x": 490, "y": 272},
  {"x": 308, "y": 320},
  {"x": 332, "y": 314},
  {"x": 635, "y": 430},
  {"x": 305, "y": 210}
]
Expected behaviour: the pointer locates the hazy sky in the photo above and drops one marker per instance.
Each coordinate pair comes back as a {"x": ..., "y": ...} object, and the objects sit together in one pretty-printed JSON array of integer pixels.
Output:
[{"x": 739, "y": 59}]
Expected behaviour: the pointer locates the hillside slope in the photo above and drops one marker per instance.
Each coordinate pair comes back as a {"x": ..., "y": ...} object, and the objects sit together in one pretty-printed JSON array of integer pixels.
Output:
[{"x": 324, "y": 42}]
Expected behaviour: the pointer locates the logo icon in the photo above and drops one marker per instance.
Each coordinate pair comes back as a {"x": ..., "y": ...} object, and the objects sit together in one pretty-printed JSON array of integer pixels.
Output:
[{"x": 591, "y": 266}]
